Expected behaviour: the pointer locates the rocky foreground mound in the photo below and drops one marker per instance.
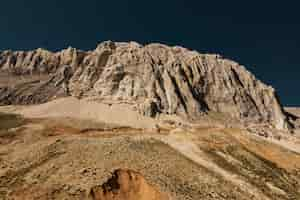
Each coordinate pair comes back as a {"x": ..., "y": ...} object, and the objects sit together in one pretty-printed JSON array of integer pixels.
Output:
[
  {"x": 126, "y": 184},
  {"x": 154, "y": 79}
]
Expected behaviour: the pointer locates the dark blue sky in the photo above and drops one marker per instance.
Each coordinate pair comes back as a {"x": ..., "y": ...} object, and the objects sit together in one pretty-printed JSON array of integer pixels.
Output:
[{"x": 264, "y": 36}]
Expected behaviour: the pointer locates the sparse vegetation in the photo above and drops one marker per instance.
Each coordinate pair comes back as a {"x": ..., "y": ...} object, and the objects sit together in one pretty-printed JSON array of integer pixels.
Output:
[
  {"x": 8, "y": 121},
  {"x": 7, "y": 124},
  {"x": 68, "y": 156}
]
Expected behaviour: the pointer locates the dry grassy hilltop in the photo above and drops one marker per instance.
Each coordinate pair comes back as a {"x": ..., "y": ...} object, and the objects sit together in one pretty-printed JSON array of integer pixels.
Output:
[{"x": 133, "y": 122}]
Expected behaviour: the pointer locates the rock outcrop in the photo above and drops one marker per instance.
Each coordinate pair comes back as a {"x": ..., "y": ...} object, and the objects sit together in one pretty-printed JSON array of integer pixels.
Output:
[
  {"x": 154, "y": 79},
  {"x": 126, "y": 185}
]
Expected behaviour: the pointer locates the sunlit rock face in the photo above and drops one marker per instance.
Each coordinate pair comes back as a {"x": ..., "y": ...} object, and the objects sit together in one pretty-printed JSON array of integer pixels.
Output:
[
  {"x": 126, "y": 185},
  {"x": 154, "y": 78}
]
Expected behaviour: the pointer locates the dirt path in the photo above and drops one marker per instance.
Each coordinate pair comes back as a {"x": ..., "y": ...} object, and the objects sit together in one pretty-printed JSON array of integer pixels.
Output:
[{"x": 191, "y": 151}]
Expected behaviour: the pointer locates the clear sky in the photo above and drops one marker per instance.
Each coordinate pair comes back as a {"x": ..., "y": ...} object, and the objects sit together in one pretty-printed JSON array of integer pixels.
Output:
[{"x": 262, "y": 35}]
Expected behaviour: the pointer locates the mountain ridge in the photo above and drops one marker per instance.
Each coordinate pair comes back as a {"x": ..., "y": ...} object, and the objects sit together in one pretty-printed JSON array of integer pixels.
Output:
[{"x": 155, "y": 79}]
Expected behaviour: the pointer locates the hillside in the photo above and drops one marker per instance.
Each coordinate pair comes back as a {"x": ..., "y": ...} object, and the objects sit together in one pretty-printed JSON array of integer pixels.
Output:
[{"x": 66, "y": 158}]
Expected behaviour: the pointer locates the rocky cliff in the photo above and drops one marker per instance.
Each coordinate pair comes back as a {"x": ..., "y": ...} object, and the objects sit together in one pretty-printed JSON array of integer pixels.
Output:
[{"x": 154, "y": 79}]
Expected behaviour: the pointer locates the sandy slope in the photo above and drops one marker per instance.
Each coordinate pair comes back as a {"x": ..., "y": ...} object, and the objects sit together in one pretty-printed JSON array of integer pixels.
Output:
[{"x": 120, "y": 114}]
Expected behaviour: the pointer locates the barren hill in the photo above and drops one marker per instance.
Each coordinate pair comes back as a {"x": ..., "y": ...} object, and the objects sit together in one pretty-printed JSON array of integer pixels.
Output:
[
  {"x": 65, "y": 158},
  {"x": 153, "y": 79}
]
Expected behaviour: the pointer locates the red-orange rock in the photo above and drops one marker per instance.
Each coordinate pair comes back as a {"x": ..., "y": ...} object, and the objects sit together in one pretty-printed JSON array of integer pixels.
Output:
[{"x": 126, "y": 185}]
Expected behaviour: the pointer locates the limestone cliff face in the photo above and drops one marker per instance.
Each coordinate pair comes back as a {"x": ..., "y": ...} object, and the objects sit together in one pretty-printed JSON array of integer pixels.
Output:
[{"x": 154, "y": 78}]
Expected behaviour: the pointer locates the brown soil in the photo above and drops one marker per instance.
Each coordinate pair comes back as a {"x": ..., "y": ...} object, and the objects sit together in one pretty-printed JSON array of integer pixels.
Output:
[{"x": 66, "y": 158}]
